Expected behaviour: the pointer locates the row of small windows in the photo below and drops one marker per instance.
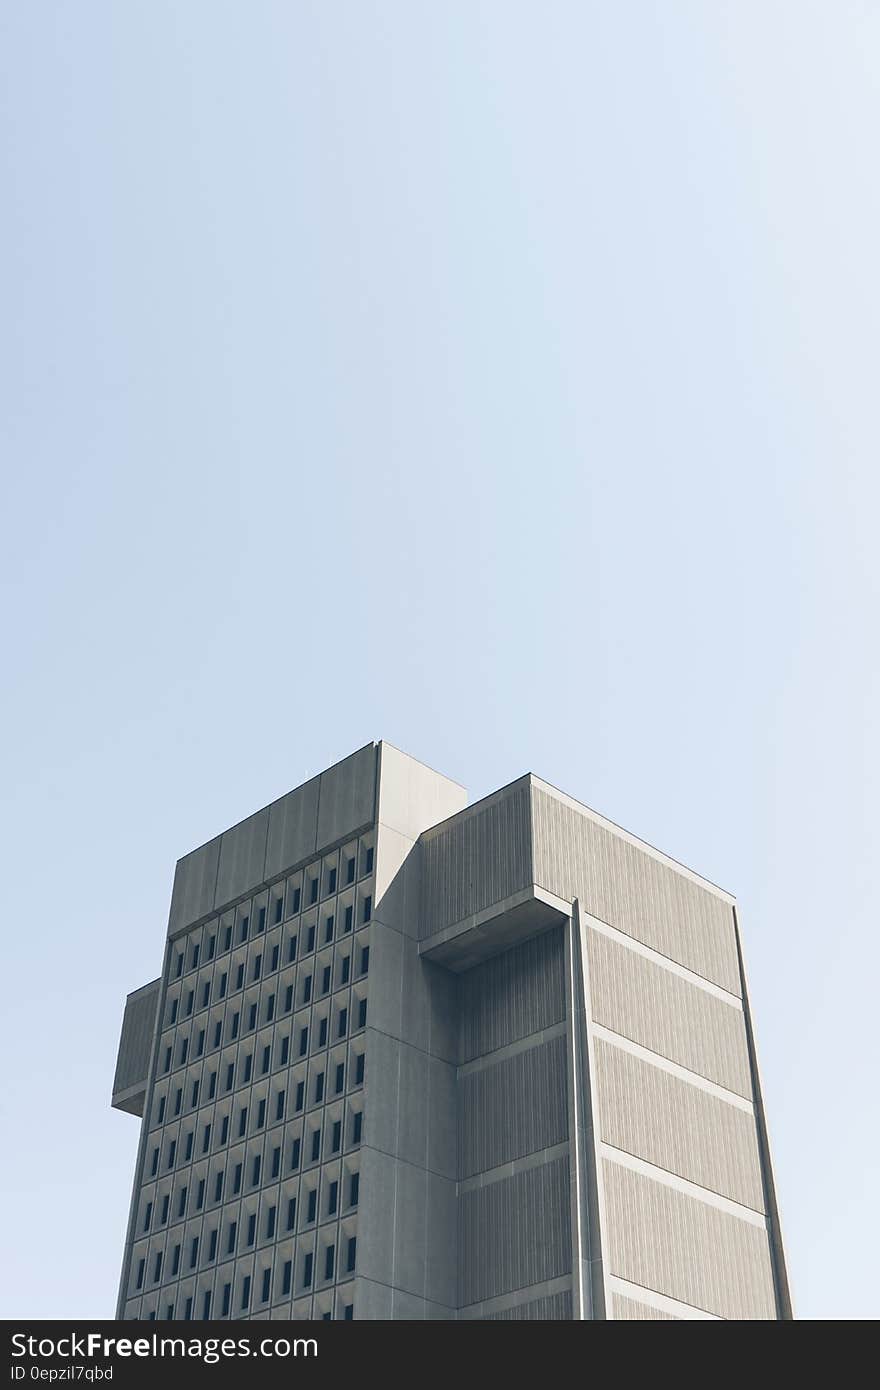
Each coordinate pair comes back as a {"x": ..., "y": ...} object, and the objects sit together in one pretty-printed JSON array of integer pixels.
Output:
[
  {"x": 328, "y": 1270},
  {"x": 258, "y": 1112},
  {"x": 169, "y": 1106},
  {"x": 191, "y": 1002},
  {"x": 220, "y": 940},
  {"x": 348, "y": 1195}
]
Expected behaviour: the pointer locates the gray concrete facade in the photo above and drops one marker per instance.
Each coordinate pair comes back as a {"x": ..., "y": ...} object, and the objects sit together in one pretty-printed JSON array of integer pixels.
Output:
[{"x": 410, "y": 1058}]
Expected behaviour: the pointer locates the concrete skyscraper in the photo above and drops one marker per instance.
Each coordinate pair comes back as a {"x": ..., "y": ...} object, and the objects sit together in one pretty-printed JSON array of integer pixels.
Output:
[{"x": 410, "y": 1058}]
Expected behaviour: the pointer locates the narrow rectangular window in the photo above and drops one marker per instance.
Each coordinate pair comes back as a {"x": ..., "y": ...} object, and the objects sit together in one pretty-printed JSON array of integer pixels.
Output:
[
  {"x": 175, "y": 1260},
  {"x": 322, "y": 1032},
  {"x": 270, "y": 1008},
  {"x": 258, "y": 965},
  {"x": 246, "y": 1291},
  {"x": 354, "y": 1189},
  {"x": 300, "y": 1095},
  {"x": 224, "y": 980},
  {"x": 212, "y": 942},
  {"x": 274, "y": 965},
  {"x": 190, "y": 1000},
  {"x": 166, "y": 1201},
  {"x": 267, "y": 1055},
  {"x": 235, "y": 1022},
  {"x": 307, "y": 989},
  {"x": 195, "y": 956},
  {"x": 352, "y": 1254},
  {"x": 369, "y": 865},
  {"x": 227, "y": 1288},
  {"x": 285, "y": 1276},
  {"x": 243, "y": 929},
  {"x": 200, "y": 1194},
  {"x": 178, "y": 1100},
  {"x": 270, "y": 1222},
  {"x": 365, "y": 959},
  {"x": 331, "y": 881},
  {"x": 182, "y": 1205},
  {"x": 155, "y": 1163},
  {"x": 346, "y": 970},
  {"x": 178, "y": 971},
  {"x": 236, "y": 1180},
  {"x": 206, "y": 994},
  {"x": 337, "y": 1135},
  {"x": 252, "y": 1018},
  {"x": 328, "y": 1261},
  {"x": 256, "y": 1172},
  {"x": 291, "y": 949},
  {"x": 368, "y": 908},
  {"x": 276, "y": 1161},
  {"x": 227, "y": 938},
  {"x": 206, "y": 1305},
  {"x": 343, "y": 1023},
  {"x": 252, "y": 1228},
  {"x": 212, "y": 1244},
  {"x": 230, "y": 1244},
  {"x": 325, "y": 980},
  {"x": 288, "y": 999},
  {"x": 279, "y": 1106},
  {"x": 285, "y": 1049},
  {"x": 312, "y": 1205},
  {"x": 261, "y": 920},
  {"x": 248, "y": 1063},
  {"x": 328, "y": 929},
  {"x": 303, "y": 1042},
  {"x": 294, "y": 1155},
  {"x": 291, "y": 1213},
  {"x": 349, "y": 918},
  {"x": 242, "y": 1121},
  {"x": 357, "y": 1127},
  {"x": 217, "y": 1032},
  {"x": 194, "y": 1252},
  {"x": 267, "y": 1276},
  {"x": 148, "y": 1215},
  {"x": 307, "y": 1271},
  {"x": 319, "y": 1088},
  {"x": 316, "y": 1145},
  {"x": 349, "y": 870},
  {"x": 279, "y": 909},
  {"x": 212, "y": 1085},
  {"x": 167, "y": 1066},
  {"x": 218, "y": 1185},
  {"x": 230, "y": 1075},
  {"x": 359, "y": 1069},
  {"x": 340, "y": 1077},
  {"x": 139, "y": 1282},
  {"x": 333, "y": 1198},
  {"x": 224, "y": 1130},
  {"x": 313, "y": 890},
  {"x": 296, "y": 899},
  {"x": 261, "y": 1113}
]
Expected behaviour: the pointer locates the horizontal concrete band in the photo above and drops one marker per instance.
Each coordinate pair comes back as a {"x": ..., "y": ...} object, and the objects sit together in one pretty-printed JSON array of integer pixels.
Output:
[
  {"x": 691, "y": 1189},
  {"x": 516, "y": 1298}
]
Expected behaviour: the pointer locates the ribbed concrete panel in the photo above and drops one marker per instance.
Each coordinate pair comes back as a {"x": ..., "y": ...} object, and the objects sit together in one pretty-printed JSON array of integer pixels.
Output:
[
  {"x": 347, "y": 796},
  {"x": 480, "y": 857},
  {"x": 242, "y": 857},
  {"x": 664, "y": 1012},
  {"x": 512, "y": 995},
  {"x": 195, "y": 879},
  {"x": 668, "y": 1122},
  {"x": 293, "y": 828},
  {"x": 664, "y": 1240},
  {"x": 514, "y": 1232},
  {"x": 512, "y": 1109},
  {"x": 629, "y": 889},
  {"x": 555, "y": 1307},
  {"x": 133, "y": 1058},
  {"x": 628, "y": 1310}
]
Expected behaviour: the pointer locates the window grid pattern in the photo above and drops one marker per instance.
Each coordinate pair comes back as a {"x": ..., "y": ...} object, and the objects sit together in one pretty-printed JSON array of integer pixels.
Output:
[{"x": 250, "y": 1181}]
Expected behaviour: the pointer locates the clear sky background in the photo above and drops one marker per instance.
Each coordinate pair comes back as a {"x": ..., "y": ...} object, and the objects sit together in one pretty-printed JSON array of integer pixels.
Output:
[{"x": 500, "y": 379}]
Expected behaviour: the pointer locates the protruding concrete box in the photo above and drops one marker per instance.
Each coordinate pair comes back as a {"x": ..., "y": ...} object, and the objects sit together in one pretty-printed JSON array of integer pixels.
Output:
[{"x": 135, "y": 1044}]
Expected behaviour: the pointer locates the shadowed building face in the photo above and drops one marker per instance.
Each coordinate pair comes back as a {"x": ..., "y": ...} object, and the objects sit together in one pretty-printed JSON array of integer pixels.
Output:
[{"x": 413, "y": 1059}]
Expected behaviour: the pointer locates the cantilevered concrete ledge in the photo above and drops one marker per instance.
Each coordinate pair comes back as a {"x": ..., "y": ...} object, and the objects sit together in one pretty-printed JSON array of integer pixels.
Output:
[{"x": 527, "y": 913}]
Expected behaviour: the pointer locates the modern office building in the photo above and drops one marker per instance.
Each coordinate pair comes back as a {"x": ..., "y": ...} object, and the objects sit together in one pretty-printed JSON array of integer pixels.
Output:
[{"x": 410, "y": 1058}]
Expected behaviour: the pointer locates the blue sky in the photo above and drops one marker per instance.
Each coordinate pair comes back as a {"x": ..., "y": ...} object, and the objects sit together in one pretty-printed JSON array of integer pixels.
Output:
[{"x": 499, "y": 379}]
